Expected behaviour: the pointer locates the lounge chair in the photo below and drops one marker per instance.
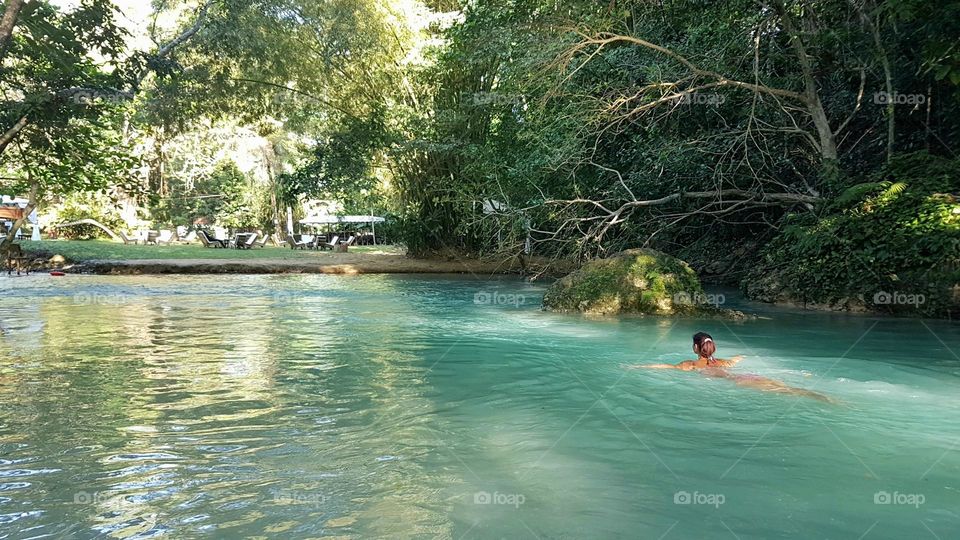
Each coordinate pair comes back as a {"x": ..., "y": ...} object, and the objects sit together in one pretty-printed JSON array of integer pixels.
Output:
[
  {"x": 350, "y": 241},
  {"x": 209, "y": 242},
  {"x": 263, "y": 241},
  {"x": 331, "y": 244},
  {"x": 126, "y": 239},
  {"x": 248, "y": 242},
  {"x": 164, "y": 237},
  {"x": 296, "y": 244},
  {"x": 318, "y": 242}
]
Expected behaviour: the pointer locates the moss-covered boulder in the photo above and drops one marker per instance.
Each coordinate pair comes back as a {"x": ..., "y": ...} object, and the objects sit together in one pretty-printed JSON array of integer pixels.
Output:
[{"x": 642, "y": 281}]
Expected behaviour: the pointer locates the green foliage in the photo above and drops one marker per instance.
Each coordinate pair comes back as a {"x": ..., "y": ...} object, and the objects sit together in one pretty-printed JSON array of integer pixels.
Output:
[
  {"x": 224, "y": 197},
  {"x": 88, "y": 206},
  {"x": 635, "y": 281},
  {"x": 72, "y": 156},
  {"x": 900, "y": 234},
  {"x": 341, "y": 167},
  {"x": 392, "y": 108},
  {"x": 71, "y": 142}
]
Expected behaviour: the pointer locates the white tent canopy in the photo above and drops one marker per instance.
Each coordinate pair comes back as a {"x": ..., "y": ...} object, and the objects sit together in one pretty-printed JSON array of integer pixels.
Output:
[
  {"x": 7, "y": 200},
  {"x": 33, "y": 218},
  {"x": 327, "y": 219}
]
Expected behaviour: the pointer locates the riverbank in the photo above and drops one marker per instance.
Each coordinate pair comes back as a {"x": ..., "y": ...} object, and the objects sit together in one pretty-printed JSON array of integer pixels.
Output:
[
  {"x": 110, "y": 258},
  {"x": 327, "y": 263}
]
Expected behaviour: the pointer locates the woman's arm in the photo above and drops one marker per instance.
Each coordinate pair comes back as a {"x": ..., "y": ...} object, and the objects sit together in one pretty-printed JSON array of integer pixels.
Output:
[{"x": 684, "y": 366}]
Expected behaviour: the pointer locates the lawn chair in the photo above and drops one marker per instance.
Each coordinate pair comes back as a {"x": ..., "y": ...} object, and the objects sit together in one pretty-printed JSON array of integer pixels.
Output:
[
  {"x": 318, "y": 242},
  {"x": 165, "y": 237},
  {"x": 209, "y": 242},
  {"x": 296, "y": 244},
  {"x": 331, "y": 244},
  {"x": 350, "y": 241},
  {"x": 248, "y": 242},
  {"x": 126, "y": 239},
  {"x": 263, "y": 242}
]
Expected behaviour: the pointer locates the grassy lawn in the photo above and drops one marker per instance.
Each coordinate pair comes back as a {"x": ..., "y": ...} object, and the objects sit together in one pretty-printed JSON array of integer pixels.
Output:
[{"x": 77, "y": 250}]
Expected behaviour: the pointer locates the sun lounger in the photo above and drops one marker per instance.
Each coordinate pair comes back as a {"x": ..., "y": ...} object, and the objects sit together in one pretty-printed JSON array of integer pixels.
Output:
[
  {"x": 126, "y": 239},
  {"x": 296, "y": 244},
  {"x": 263, "y": 241},
  {"x": 247, "y": 242},
  {"x": 318, "y": 242},
  {"x": 331, "y": 244},
  {"x": 164, "y": 237},
  {"x": 209, "y": 242}
]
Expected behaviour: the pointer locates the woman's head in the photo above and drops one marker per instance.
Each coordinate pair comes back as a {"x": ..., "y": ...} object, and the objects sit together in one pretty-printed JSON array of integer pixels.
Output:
[{"x": 703, "y": 345}]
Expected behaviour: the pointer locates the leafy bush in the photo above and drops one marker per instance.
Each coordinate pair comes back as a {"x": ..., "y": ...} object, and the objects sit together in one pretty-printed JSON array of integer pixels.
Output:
[
  {"x": 99, "y": 208},
  {"x": 893, "y": 241}
]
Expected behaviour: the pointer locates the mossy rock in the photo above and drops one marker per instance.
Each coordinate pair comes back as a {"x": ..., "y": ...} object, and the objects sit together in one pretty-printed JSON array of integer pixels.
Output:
[{"x": 643, "y": 281}]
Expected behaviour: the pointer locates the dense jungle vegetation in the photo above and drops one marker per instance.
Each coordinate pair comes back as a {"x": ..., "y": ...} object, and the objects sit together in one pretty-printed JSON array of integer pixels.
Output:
[{"x": 805, "y": 150}]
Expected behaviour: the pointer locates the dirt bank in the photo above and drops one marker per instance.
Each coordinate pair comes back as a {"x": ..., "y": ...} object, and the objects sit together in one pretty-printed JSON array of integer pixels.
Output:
[{"x": 332, "y": 263}]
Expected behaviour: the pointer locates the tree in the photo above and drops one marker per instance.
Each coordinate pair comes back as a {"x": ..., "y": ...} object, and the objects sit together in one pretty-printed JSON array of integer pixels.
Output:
[{"x": 56, "y": 96}]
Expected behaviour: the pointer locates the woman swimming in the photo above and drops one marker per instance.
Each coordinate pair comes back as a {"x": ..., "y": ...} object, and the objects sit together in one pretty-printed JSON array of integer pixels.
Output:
[{"x": 704, "y": 347}]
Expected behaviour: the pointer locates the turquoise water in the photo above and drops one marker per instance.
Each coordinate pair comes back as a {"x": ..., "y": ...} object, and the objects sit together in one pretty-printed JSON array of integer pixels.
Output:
[{"x": 400, "y": 407}]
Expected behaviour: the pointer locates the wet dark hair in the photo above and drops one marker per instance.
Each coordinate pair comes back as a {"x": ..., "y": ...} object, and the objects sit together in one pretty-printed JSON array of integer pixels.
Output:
[
  {"x": 704, "y": 345},
  {"x": 699, "y": 338}
]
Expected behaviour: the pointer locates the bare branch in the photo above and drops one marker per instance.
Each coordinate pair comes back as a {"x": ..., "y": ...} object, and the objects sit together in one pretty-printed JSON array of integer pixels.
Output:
[{"x": 605, "y": 39}]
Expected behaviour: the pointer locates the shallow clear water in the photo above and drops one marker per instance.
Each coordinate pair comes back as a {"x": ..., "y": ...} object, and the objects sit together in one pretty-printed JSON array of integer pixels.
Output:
[{"x": 399, "y": 407}]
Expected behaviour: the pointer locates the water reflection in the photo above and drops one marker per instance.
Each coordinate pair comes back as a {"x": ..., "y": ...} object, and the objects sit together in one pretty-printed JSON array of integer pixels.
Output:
[{"x": 377, "y": 406}]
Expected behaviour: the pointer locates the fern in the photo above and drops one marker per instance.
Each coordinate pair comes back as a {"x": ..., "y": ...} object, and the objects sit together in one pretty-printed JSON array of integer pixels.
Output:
[
  {"x": 895, "y": 189},
  {"x": 859, "y": 191}
]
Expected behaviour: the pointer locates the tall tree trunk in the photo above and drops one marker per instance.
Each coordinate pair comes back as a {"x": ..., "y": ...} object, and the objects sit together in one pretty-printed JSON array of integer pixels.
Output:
[
  {"x": 811, "y": 94},
  {"x": 10, "y": 15},
  {"x": 887, "y": 71},
  {"x": 827, "y": 138}
]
